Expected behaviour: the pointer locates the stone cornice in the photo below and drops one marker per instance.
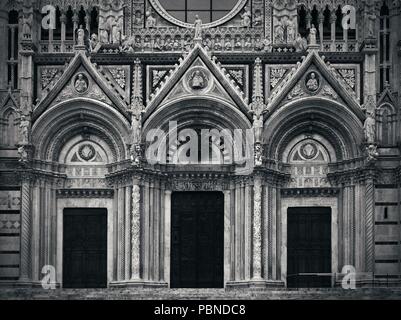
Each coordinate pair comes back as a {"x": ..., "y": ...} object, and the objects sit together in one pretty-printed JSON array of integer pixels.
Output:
[
  {"x": 172, "y": 57},
  {"x": 85, "y": 193},
  {"x": 352, "y": 176},
  {"x": 310, "y": 192}
]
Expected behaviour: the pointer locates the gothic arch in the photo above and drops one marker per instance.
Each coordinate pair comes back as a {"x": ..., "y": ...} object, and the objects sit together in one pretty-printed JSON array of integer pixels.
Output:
[
  {"x": 386, "y": 124},
  {"x": 331, "y": 120},
  {"x": 9, "y": 127},
  {"x": 200, "y": 113},
  {"x": 81, "y": 116},
  {"x": 191, "y": 110}
]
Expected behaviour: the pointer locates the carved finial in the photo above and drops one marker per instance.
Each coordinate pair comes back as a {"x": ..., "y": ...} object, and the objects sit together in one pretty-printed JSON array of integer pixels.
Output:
[
  {"x": 137, "y": 104},
  {"x": 258, "y": 106}
]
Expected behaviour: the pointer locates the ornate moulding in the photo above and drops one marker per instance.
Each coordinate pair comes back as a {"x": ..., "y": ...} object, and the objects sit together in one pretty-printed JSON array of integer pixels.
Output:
[{"x": 162, "y": 12}]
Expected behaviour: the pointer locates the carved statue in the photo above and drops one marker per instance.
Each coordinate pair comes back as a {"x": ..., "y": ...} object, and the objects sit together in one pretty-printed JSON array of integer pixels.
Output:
[
  {"x": 266, "y": 45},
  {"x": 27, "y": 26},
  {"x": 312, "y": 84},
  {"x": 312, "y": 35},
  {"x": 136, "y": 154},
  {"x": 81, "y": 84},
  {"x": 372, "y": 153},
  {"x": 290, "y": 31},
  {"x": 198, "y": 28},
  {"x": 217, "y": 44},
  {"x": 24, "y": 126},
  {"x": 248, "y": 43},
  {"x": 157, "y": 45},
  {"x": 94, "y": 42},
  {"x": 258, "y": 155},
  {"x": 117, "y": 33},
  {"x": 104, "y": 36},
  {"x": 257, "y": 19},
  {"x": 198, "y": 81},
  {"x": 371, "y": 17},
  {"x": 150, "y": 20},
  {"x": 300, "y": 43},
  {"x": 370, "y": 128},
  {"x": 246, "y": 18},
  {"x": 136, "y": 126},
  {"x": 238, "y": 43},
  {"x": 258, "y": 127},
  {"x": 138, "y": 18},
  {"x": 279, "y": 32},
  {"x": 23, "y": 154},
  {"x": 81, "y": 36}
]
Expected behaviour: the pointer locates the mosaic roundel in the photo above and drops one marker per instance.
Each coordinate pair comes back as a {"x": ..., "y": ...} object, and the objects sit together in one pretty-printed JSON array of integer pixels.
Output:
[
  {"x": 308, "y": 150},
  {"x": 87, "y": 152}
]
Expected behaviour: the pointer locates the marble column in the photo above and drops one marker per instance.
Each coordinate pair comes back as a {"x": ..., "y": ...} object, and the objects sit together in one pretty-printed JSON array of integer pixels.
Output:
[
  {"x": 63, "y": 20},
  {"x": 257, "y": 222},
  {"x": 121, "y": 234},
  {"x": 167, "y": 234},
  {"x": 135, "y": 232},
  {"x": 370, "y": 224},
  {"x": 26, "y": 232}
]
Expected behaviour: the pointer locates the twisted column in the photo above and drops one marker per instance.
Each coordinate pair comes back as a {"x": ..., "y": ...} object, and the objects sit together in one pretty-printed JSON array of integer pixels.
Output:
[
  {"x": 26, "y": 234},
  {"x": 370, "y": 224},
  {"x": 135, "y": 232},
  {"x": 257, "y": 238}
]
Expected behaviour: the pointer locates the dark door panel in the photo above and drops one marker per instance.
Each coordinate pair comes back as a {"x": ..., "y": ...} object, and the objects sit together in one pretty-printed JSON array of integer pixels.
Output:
[
  {"x": 308, "y": 247},
  {"x": 197, "y": 240},
  {"x": 85, "y": 248}
]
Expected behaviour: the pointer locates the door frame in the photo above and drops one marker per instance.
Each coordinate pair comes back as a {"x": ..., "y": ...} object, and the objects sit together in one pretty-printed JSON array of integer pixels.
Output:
[
  {"x": 90, "y": 203},
  {"x": 226, "y": 236},
  {"x": 290, "y": 202}
]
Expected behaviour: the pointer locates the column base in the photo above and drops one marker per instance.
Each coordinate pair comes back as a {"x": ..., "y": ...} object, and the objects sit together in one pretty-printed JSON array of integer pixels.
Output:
[
  {"x": 255, "y": 284},
  {"x": 23, "y": 283},
  {"x": 138, "y": 284}
]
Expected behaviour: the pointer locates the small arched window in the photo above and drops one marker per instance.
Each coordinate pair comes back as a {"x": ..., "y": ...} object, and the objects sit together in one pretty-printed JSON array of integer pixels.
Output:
[
  {"x": 12, "y": 61},
  {"x": 384, "y": 44}
]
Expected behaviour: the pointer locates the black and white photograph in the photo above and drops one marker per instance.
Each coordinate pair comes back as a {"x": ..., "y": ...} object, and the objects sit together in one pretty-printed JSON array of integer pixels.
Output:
[{"x": 200, "y": 150}]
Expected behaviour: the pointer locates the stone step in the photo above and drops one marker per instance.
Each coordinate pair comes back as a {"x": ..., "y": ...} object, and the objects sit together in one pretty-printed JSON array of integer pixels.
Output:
[{"x": 198, "y": 294}]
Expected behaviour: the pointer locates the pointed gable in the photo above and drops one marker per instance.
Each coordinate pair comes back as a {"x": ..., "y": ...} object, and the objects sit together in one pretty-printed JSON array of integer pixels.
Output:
[
  {"x": 197, "y": 74},
  {"x": 313, "y": 77},
  {"x": 8, "y": 101},
  {"x": 387, "y": 96},
  {"x": 96, "y": 87}
]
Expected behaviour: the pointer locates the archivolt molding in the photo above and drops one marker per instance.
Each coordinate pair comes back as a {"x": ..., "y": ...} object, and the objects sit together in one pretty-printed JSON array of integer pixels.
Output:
[
  {"x": 212, "y": 110},
  {"x": 61, "y": 122},
  {"x": 314, "y": 115}
]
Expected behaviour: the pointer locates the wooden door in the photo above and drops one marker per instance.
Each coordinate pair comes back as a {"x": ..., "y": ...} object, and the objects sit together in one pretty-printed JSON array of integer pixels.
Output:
[
  {"x": 309, "y": 247},
  {"x": 197, "y": 240},
  {"x": 85, "y": 248}
]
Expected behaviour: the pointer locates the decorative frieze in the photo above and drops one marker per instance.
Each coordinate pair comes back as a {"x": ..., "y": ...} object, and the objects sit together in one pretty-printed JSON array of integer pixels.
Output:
[
  {"x": 310, "y": 192},
  {"x": 85, "y": 193}
]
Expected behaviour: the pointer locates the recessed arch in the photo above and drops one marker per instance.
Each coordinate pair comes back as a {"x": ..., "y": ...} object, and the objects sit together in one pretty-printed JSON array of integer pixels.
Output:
[
  {"x": 81, "y": 116},
  {"x": 200, "y": 113},
  {"x": 328, "y": 118}
]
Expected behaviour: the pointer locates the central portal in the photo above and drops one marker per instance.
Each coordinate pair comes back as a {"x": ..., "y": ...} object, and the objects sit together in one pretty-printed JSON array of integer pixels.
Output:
[{"x": 197, "y": 240}]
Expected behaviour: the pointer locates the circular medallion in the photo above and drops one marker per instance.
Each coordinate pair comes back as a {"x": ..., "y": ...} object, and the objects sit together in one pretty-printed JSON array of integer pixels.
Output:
[
  {"x": 87, "y": 152},
  {"x": 308, "y": 150},
  {"x": 198, "y": 80},
  {"x": 81, "y": 83},
  {"x": 313, "y": 82}
]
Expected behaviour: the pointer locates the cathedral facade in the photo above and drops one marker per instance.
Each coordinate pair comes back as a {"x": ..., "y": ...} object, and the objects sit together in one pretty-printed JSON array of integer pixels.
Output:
[{"x": 207, "y": 144}]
